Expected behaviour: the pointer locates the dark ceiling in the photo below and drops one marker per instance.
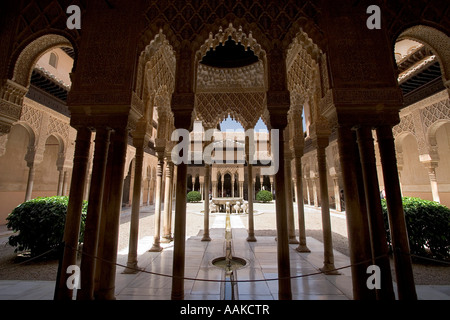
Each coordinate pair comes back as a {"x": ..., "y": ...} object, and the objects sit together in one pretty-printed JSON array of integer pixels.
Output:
[
  {"x": 421, "y": 79},
  {"x": 229, "y": 55}
]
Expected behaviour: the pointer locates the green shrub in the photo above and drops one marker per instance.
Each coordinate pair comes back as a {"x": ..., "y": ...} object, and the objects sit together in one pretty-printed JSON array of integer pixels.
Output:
[
  {"x": 264, "y": 196},
  {"x": 428, "y": 225},
  {"x": 40, "y": 223},
  {"x": 194, "y": 196}
]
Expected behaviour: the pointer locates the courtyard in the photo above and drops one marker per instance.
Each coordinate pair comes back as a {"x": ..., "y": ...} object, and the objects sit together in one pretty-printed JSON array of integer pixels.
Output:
[{"x": 204, "y": 281}]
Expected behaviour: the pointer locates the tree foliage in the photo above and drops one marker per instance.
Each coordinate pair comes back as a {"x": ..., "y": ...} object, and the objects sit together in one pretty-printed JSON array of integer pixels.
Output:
[
  {"x": 40, "y": 224},
  {"x": 428, "y": 225}
]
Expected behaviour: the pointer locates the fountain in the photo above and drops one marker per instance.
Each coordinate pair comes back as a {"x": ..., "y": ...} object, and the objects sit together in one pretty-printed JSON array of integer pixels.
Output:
[{"x": 230, "y": 264}]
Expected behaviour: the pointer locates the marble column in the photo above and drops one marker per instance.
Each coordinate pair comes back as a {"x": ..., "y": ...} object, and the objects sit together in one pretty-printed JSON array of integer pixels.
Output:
[
  {"x": 308, "y": 191},
  {"x": 91, "y": 232},
  {"x": 107, "y": 279},
  {"x": 65, "y": 183},
  {"x": 397, "y": 224},
  {"x": 30, "y": 181},
  {"x": 159, "y": 174},
  {"x": 167, "y": 234},
  {"x": 73, "y": 216},
  {"x": 431, "y": 166},
  {"x": 315, "y": 193},
  {"x": 139, "y": 143},
  {"x": 302, "y": 247},
  {"x": 179, "y": 249},
  {"x": 289, "y": 198},
  {"x": 232, "y": 185},
  {"x": 337, "y": 194},
  {"x": 206, "y": 236},
  {"x": 241, "y": 189},
  {"x": 356, "y": 216},
  {"x": 172, "y": 191},
  {"x": 283, "y": 260},
  {"x": 251, "y": 223},
  {"x": 328, "y": 263},
  {"x": 59, "y": 191},
  {"x": 380, "y": 251}
]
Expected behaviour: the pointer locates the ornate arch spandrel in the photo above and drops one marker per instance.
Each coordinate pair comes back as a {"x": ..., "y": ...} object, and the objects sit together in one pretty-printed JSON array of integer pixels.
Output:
[{"x": 438, "y": 41}]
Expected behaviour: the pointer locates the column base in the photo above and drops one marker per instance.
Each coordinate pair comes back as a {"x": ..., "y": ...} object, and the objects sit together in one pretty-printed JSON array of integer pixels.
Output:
[
  {"x": 293, "y": 240},
  {"x": 302, "y": 248},
  {"x": 166, "y": 239},
  {"x": 206, "y": 238},
  {"x": 132, "y": 269},
  {"x": 156, "y": 248},
  {"x": 251, "y": 238},
  {"x": 329, "y": 269}
]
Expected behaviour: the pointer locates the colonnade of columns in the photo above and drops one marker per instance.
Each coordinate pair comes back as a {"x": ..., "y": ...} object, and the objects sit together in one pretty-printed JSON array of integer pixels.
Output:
[
  {"x": 165, "y": 197},
  {"x": 104, "y": 210}
]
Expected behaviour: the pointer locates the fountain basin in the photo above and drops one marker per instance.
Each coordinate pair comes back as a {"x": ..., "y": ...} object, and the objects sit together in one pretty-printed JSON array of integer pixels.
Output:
[{"x": 234, "y": 263}]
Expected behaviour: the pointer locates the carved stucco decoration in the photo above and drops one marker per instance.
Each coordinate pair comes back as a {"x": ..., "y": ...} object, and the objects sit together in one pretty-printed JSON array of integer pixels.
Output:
[
  {"x": 437, "y": 41},
  {"x": 238, "y": 92},
  {"x": 31, "y": 54},
  {"x": 245, "y": 79},
  {"x": 421, "y": 120},
  {"x": 247, "y": 108},
  {"x": 155, "y": 82}
]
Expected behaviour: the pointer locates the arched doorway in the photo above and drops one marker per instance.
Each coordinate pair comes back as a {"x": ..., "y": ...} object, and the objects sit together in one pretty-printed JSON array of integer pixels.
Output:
[{"x": 227, "y": 185}]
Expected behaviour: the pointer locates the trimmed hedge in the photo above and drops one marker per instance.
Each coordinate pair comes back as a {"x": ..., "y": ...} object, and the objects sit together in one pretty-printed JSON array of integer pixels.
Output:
[
  {"x": 428, "y": 225},
  {"x": 194, "y": 196},
  {"x": 264, "y": 196},
  {"x": 40, "y": 223}
]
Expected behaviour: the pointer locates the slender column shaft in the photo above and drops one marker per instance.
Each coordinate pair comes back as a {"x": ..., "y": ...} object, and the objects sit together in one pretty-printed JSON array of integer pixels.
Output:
[
  {"x": 159, "y": 173},
  {"x": 167, "y": 236},
  {"x": 337, "y": 195},
  {"x": 289, "y": 200},
  {"x": 397, "y": 224},
  {"x": 180, "y": 234},
  {"x": 250, "y": 190},
  {"x": 60, "y": 182},
  {"x": 172, "y": 189},
  {"x": 380, "y": 251},
  {"x": 91, "y": 234},
  {"x": 232, "y": 187},
  {"x": 302, "y": 247},
  {"x": 106, "y": 285},
  {"x": 73, "y": 216},
  {"x": 308, "y": 192},
  {"x": 315, "y": 193},
  {"x": 328, "y": 262},
  {"x": 103, "y": 217},
  {"x": 132, "y": 262},
  {"x": 206, "y": 236},
  {"x": 359, "y": 242},
  {"x": 284, "y": 268},
  {"x": 65, "y": 182},
  {"x": 433, "y": 183},
  {"x": 251, "y": 222},
  {"x": 30, "y": 182}
]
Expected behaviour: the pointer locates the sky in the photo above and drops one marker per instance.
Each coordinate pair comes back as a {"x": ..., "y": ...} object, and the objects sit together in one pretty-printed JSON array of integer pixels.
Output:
[{"x": 233, "y": 125}]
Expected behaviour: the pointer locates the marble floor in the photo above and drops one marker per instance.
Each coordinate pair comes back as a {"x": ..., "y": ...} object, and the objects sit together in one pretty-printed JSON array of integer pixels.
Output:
[{"x": 257, "y": 280}]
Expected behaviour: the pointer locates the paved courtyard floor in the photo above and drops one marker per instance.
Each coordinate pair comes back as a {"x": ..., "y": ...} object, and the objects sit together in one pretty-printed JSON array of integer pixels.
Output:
[{"x": 256, "y": 280}]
